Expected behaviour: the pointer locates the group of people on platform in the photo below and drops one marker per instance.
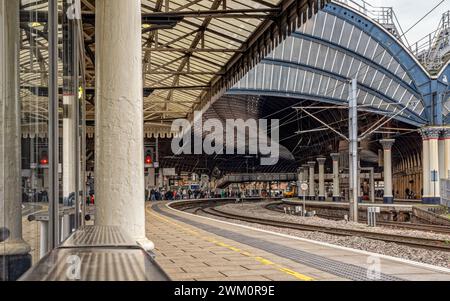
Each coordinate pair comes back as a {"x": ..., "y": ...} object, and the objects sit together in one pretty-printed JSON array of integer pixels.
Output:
[
  {"x": 161, "y": 194},
  {"x": 180, "y": 194}
]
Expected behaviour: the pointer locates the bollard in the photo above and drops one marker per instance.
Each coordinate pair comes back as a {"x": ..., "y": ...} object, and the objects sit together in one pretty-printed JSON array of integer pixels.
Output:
[
  {"x": 4, "y": 234},
  {"x": 372, "y": 216}
]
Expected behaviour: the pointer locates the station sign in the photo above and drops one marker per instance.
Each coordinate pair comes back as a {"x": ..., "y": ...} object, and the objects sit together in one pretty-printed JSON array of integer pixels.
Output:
[
  {"x": 434, "y": 176},
  {"x": 304, "y": 187},
  {"x": 168, "y": 172}
]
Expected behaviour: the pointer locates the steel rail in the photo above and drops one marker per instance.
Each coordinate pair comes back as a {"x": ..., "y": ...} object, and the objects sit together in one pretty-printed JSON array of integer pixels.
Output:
[
  {"x": 402, "y": 225},
  {"x": 419, "y": 242}
]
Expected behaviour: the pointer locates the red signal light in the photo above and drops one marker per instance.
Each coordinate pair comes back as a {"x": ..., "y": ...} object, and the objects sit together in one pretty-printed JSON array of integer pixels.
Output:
[
  {"x": 44, "y": 161},
  {"x": 148, "y": 160}
]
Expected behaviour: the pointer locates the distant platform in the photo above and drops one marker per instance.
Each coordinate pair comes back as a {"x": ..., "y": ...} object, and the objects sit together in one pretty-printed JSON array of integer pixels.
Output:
[{"x": 364, "y": 205}]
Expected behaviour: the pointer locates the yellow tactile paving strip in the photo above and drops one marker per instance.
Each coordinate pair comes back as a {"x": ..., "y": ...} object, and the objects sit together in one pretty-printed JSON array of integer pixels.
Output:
[
  {"x": 174, "y": 239},
  {"x": 188, "y": 253}
]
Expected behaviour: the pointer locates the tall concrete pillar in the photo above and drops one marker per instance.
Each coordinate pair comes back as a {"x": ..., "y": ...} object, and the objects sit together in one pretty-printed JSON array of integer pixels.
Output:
[
  {"x": 301, "y": 174},
  {"x": 321, "y": 162},
  {"x": 425, "y": 166},
  {"x": 336, "y": 188},
  {"x": 441, "y": 157},
  {"x": 300, "y": 180},
  {"x": 435, "y": 187},
  {"x": 119, "y": 118},
  {"x": 312, "y": 188},
  {"x": 14, "y": 257},
  {"x": 372, "y": 184},
  {"x": 431, "y": 173},
  {"x": 305, "y": 173},
  {"x": 387, "y": 147}
]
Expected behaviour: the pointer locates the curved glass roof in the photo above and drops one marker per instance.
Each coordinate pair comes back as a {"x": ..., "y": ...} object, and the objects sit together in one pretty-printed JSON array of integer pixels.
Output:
[{"x": 317, "y": 61}]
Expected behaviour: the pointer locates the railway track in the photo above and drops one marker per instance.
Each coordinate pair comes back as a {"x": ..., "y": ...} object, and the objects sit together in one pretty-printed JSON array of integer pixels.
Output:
[
  {"x": 419, "y": 242},
  {"x": 397, "y": 225}
]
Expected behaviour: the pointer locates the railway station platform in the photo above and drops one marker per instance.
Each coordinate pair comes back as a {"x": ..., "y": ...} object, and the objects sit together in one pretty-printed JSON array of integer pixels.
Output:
[
  {"x": 363, "y": 205},
  {"x": 196, "y": 248}
]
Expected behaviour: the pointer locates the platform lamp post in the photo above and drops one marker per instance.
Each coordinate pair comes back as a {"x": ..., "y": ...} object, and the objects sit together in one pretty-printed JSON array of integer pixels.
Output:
[{"x": 353, "y": 150}]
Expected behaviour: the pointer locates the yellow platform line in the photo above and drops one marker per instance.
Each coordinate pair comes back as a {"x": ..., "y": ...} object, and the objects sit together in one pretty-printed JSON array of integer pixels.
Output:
[{"x": 259, "y": 259}]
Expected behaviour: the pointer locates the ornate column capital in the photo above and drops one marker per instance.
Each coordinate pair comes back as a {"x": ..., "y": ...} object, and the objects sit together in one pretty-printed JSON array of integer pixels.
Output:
[
  {"x": 321, "y": 160},
  {"x": 387, "y": 143},
  {"x": 335, "y": 156},
  {"x": 430, "y": 132},
  {"x": 311, "y": 164},
  {"x": 445, "y": 134}
]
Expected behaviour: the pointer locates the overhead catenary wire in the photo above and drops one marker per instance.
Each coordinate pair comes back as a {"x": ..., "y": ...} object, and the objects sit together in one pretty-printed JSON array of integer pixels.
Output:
[{"x": 421, "y": 19}]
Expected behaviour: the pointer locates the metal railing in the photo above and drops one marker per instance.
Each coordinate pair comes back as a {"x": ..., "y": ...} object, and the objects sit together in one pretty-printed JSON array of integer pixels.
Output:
[
  {"x": 385, "y": 16},
  {"x": 433, "y": 50}
]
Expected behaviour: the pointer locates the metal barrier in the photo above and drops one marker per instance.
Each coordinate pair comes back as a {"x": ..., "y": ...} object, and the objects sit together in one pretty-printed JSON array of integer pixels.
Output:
[
  {"x": 433, "y": 50},
  {"x": 383, "y": 15},
  {"x": 97, "y": 253}
]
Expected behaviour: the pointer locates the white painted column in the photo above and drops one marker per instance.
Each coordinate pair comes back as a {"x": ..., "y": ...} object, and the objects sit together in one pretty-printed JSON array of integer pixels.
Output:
[
  {"x": 372, "y": 184},
  {"x": 336, "y": 188},
  {"x": 10, "y": 131},
  {"x": 312, "y": 188},
  {"x": 300, "y": 180},
  {"x": 441, "y": 157},
  {"x": 300, "y": 173},
  {"x": 305, "y": 180},
  {"x": 305, "y": 173},
  {"x": 425, "y": 166},
  {"x": 431, "y": 188},
  {"x": 387, "y": 148},
  {"x": 435, "y": 188},
  {"x": 119, "y": 118},
  {"x": 321, "y": 162}
]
